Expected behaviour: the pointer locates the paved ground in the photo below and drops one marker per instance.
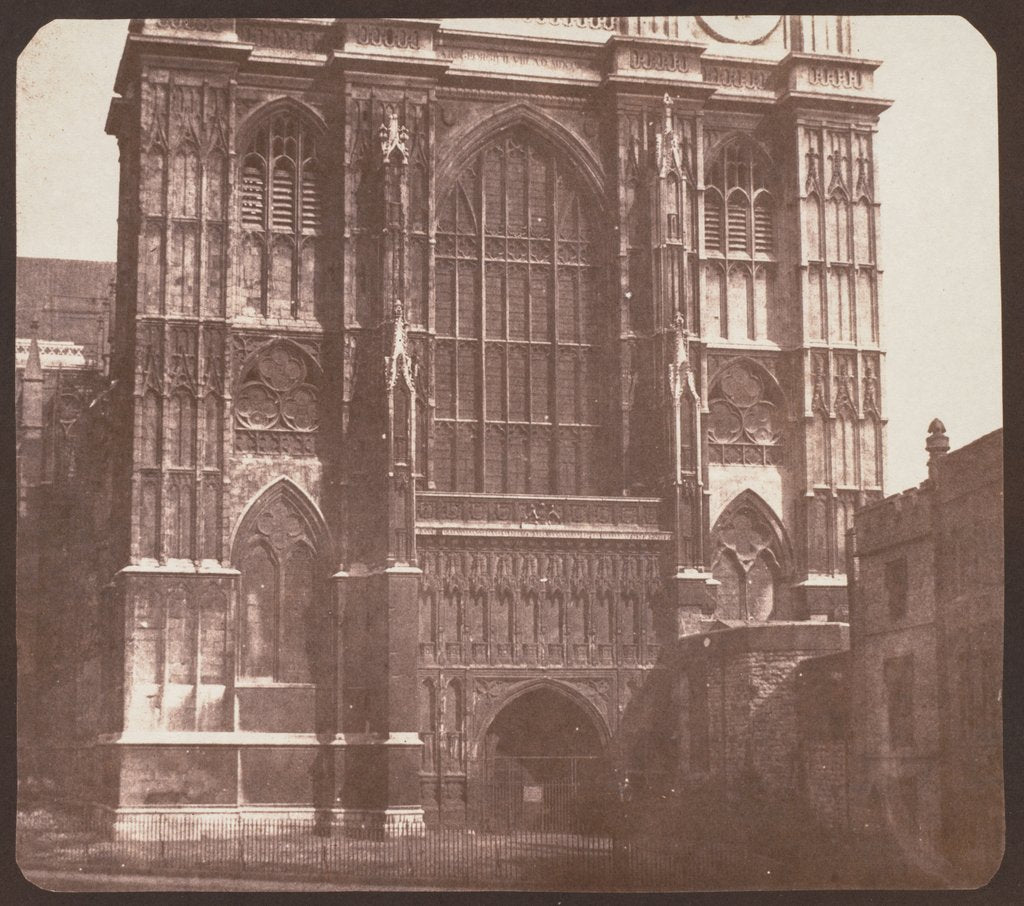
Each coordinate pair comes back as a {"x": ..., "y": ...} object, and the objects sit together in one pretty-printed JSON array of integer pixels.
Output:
[{"x": 82, "y": 881}]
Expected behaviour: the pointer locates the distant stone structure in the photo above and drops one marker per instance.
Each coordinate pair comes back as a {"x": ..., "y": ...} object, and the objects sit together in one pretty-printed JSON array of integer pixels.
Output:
[
  {"x": 72, "y": 303},
  {"x": 887, "y": 732},
  {"x": 63, "y": 315}
]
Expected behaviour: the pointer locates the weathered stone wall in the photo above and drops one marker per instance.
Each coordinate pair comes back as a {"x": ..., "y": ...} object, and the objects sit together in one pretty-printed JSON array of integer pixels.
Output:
[
  {"x": 759, "y": 681},
  {"x": 824, "y": 766},
  {"x": 937, "y": 787}
]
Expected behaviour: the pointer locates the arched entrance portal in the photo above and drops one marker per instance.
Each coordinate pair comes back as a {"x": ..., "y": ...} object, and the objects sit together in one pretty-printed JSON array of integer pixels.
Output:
[{"x": 544, "y": 765}]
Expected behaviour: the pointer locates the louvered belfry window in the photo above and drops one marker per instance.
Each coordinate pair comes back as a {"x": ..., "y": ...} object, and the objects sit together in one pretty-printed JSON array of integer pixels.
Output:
[
  {"x": 736, "y": 196},
  {"x": 280, "y": 212},
  {"x": 739, "y": 244},
  {"x": 519, "y": 318}
]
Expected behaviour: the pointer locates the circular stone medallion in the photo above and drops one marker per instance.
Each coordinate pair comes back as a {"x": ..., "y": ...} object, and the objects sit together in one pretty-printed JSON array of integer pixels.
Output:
[{"x": 740, "y": 29}]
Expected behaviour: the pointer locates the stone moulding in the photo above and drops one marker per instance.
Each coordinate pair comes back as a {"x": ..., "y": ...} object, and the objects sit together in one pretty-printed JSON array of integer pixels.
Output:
[
  {"x": 581, "y": 532},
  {"x": 442, "y": 508},
  {"x": 624, "y": 55}
]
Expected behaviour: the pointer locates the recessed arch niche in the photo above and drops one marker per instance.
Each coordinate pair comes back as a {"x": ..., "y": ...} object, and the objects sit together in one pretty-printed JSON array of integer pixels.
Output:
[
  {"x": 751, "y": 559},
  {"x": 281, "y": 550}
]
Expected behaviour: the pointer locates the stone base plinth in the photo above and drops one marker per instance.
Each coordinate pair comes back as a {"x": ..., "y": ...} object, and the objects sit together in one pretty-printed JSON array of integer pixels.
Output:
[{"x": 694, "y": 594}]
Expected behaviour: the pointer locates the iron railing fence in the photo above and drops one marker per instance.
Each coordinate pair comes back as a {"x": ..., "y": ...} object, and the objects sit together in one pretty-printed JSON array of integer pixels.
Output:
[
  {"x": 542, "y": 793},
  {"x": 409, "y": 856}
]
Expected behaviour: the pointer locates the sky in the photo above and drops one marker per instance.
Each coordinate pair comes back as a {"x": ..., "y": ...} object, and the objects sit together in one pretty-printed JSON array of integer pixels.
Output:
[{"x": 938, "y": 187}]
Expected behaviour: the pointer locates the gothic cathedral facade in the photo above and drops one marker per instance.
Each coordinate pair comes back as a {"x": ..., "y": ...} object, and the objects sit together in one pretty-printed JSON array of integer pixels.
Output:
[{"x": 468, "y": 364}]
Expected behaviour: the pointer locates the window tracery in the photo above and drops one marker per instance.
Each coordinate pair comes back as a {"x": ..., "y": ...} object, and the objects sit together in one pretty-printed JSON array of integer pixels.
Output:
[
  {"x": 738, "y": 205},
  {"x": 745, "y": 418},
  {"x": 517, "y": 296},
  {"x": 746, "y": 563},
  {"x": 278, "y": 610},
  {"x": 277, "y": 403}
]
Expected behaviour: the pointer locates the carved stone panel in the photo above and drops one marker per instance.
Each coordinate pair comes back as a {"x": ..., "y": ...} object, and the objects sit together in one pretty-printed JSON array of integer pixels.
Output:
[{"x": 277, "y": 403}]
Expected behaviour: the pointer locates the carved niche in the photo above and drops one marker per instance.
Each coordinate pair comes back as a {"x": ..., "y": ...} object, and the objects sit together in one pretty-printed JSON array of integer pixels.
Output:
[
  {"x": 180, "y": 636},
  {"x": 522, "y": 606},
  {"x": 183, "y": 145}
]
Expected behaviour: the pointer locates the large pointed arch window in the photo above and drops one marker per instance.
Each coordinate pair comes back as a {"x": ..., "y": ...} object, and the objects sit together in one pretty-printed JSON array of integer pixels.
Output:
[
  {"x": 281, "y": 618},
  {"x": 280, "y": 213},
  {"x": 739, "y": 239},
  {"x": 519, "y": 318}
]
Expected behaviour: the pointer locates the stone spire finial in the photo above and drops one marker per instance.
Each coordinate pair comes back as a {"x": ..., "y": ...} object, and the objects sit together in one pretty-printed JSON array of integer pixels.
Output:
[
  {"x": 937, "y": 444},
  {"x": 32, "y": 384},
  {"x": 34, "y": 367},
  {"x": 393, "y": 138},
  {"x": 668, "y": 152}
]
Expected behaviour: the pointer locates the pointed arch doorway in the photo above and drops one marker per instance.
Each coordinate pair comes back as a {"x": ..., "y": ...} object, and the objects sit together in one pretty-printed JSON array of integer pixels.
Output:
[{"x": 543, "y": 765}]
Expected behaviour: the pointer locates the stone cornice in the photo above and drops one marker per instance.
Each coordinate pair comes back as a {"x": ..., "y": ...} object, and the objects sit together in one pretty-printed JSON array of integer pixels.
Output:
[
  {"x": 149, "y": 567},
  {"x": 425, "y": 48}
]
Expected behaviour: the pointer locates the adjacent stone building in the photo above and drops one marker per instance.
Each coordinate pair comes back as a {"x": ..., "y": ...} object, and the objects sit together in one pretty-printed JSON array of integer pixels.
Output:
[
  {"x": 71, "y": 301},
  {"x": 63, "y": 315},
  {"x": 459, "y": 368},
  {"x": 926, "y": 617}
]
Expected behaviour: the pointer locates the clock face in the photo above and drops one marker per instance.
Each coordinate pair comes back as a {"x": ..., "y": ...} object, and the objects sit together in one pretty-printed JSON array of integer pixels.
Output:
[{"x": 740, "y": 29}]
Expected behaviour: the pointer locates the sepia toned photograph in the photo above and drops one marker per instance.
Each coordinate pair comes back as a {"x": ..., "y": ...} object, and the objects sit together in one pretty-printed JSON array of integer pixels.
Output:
[{"x": 484, "y": 454}]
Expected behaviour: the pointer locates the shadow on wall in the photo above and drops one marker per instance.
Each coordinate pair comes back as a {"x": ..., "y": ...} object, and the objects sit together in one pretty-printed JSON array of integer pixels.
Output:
[{"x": 754, "y": 761}]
